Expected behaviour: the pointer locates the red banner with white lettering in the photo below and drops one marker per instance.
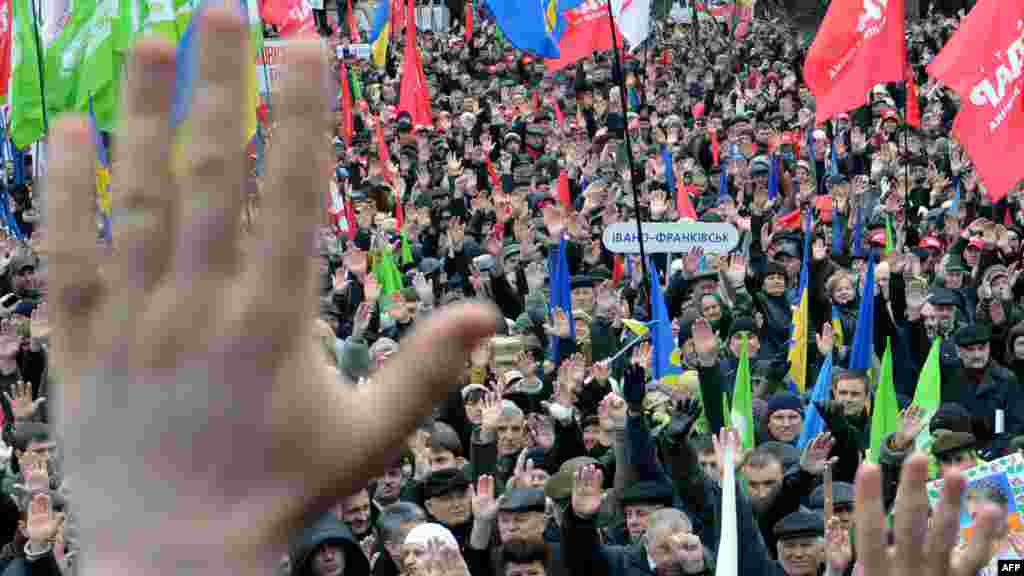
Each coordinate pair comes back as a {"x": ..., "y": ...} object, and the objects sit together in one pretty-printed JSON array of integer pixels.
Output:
[
  {"x": 984, "y": 63},
  {"x": 290, "y": 17},
  {"x": 587, "y": 31},
  {"x": 5, "y": 46},
  {"x": 859, "y": 44}
]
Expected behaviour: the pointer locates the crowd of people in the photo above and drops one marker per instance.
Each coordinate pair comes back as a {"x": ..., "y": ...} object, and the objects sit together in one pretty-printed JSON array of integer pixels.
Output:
[{"x": 555, "y": 454}]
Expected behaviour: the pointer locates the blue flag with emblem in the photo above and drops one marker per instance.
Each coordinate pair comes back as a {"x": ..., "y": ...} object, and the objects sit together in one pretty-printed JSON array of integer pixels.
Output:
[
  {"x": 561, "y": 294},
  {"x": 661, "y": 331},
  {"x": 534, "y": 26}
]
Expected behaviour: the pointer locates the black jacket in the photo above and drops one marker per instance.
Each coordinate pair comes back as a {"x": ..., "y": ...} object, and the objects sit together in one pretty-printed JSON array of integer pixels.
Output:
[{"x": 328, "y": 530}]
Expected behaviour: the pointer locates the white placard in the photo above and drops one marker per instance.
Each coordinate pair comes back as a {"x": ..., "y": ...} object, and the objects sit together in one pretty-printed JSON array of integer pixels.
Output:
[{"x": 673, "y": 238}]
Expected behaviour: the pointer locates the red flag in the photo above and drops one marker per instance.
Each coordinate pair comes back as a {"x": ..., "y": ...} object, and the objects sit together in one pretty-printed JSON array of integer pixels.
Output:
[
  {"x": 383, "y": 152},
  {"x": 559, "y": 116},
  {"x": 492, "y": 174},
  {"x": 415, "y": 98},
  {"x": 469, "y": 21},
  {"x": 984, "y": 63},
  {"x": 399, "y": 211},
  {"x": 791, "y": 221},
  {"x": 346, "y": 105},
  {"x": 536, "y": 101},
  {"x": 5, "y": 45},
  {"x": 859, "y": 44},
  {"x": 290, "y": 17},
  {"x": 716, "y": 148},
  {"x": 563, "y": 190},
  {"x": 618, "y": 270},
  {"x": 587, "y": 30},
  {"x": 684, "y": 205},
  {"x": 913, "y": 106},
  {"x": 353, "y": 29},
  {"x": 350, "y": 217}
]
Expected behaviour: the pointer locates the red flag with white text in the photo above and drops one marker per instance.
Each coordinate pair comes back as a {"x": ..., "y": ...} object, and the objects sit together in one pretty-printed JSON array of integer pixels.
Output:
[
  {"x": 859, "y": 44},
  {"x": 587, "y": 31},
  {"x": 290, "y": 17},
  {"x": 984, "y": 63}
]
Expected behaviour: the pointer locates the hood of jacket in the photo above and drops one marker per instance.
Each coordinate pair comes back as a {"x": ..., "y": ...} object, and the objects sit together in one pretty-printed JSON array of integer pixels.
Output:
[{"x": 328, "y": 530}]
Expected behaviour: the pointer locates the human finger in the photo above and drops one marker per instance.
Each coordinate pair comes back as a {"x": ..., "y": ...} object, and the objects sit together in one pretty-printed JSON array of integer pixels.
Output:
[
  {"x": 911, "y": 518},
  {"x": 145, "y": 193},
  {"x": 870, "y": 520},
  {"x": 944, "y": 533},
  {"x": 979, "y": 548},
  {"x": 74, "y": 277},
  {"x": 214, "y": 173},
  {"x": 294, "y": 175}
]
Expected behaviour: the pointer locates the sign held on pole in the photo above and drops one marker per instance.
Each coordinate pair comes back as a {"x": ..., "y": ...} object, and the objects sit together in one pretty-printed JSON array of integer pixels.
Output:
[{"x": 671, "y": 237}]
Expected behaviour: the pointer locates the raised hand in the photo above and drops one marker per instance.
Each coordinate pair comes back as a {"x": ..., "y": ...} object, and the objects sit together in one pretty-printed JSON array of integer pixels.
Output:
[
  {"x": 691, "y": 262},
  {"x": 688, "y": 552},
  {"x": 838, "y": 549},
  {"x": 727, "y": 439},
  {"x": 815, "y": 457},
  {"x": 42, "y": 523},
  {"x": 705, "y": 342},
  {"x": 825, "y": 339},
  {"x": 586, "y": 491},
  {"x": 912, "y": 422},
  {"x": 559, "y": 324},
  {"x": 600, "y": 371},
  {"x": 371, "y": 288},
  {"x": 491, "y": 416},
  {"x": 737, "y": 270},
  {"x": 35, "y": 472},
  {"x": 612, "y": 411},
  {"x": 485, "y": 505},
  {"x": 364, "y": 313},
  {"x": 924, "y": 545},
  {"x": 23, "y": 405}
]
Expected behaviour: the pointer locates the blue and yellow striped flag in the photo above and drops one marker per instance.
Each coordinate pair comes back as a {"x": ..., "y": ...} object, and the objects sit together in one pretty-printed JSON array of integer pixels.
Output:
[
  {"x": 104, "y": 199},
  {"x": 801, "y": 317},
  {"x": 380, "y": 33}
]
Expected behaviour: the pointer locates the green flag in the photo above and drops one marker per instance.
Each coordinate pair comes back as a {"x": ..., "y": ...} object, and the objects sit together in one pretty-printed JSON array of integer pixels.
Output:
[
  {"x": 928, "y": 395},
  {"x": 83, "y": 63},
  {"x": 25, "y": 93},
  {"x": 357, "y": 85},
  {"x": 885, "y": 415},
  {"x": 406, "y": 250},
  {"x": 889, "y": 240},
  {"x": 742, "y": 413},
  {"x": 387, "y": 274}
]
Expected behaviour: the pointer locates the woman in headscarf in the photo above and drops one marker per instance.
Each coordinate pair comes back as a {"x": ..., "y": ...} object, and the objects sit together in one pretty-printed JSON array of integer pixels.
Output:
[{"x": 718, "y": 314}]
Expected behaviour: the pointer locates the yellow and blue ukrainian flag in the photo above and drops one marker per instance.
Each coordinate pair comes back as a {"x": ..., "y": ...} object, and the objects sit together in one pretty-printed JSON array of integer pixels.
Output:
[
  {"x": 534, "y": 26},
  {"x": 105, "y": 202},
  {"x": 801, "y": 317},
  {"x": 380, "y": 33}
]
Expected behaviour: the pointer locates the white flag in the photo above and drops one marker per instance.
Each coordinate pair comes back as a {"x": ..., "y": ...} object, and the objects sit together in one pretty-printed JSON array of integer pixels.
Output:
[
  {"x": 727, "y": 563},
  {"x": 634, "y": 19}
]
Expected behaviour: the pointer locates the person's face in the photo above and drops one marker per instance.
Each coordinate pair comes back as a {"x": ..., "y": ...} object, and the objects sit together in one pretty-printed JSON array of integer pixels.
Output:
[
  {"x": 399, "y": 310},
  {"x": 592, "y": 436},
  {"x": 882, "y": 279},
  {"x": 451, "y": 509},
  {"x": 441, "y": 459},
  {"x": 706, "y": 286},
  {"x": 583, "y": 298},
  {"x": 661, "y": 551},
  {"x": 1001, "y": 287},
  {"x": 764, "y": 483},
  {"x": 852, "y": 394},
  {"x": 775, "y": 284},
  {"x": 784, "y": 425},
  {"x": 846, "y": 516},
  {"x": 527, "y": 526},
  {"x": 709, "y": 464},
  {"x": 971, "y": 255},
  {"x": 791, "y": 264},
  {"x": 24, "y": 279},
  {"x": 474, "y": 410},
  {"x": 1018, "y": 347},
  {"x": 800, "y": 556},
  {"x": 329, "y": 561},
  {"x": 843, "y": 291},
  {"x": 511, "y": 432},
  {"x": 535, "y": 568},
  {"x": 356, "y": 512},
  {"x": 389, "y": 486},
  {"x": 957, "y": 462},
  {"x": 955, "y": 280},
  {"x": 636, "y": 519},
  {"x": 736, "y": 343},
  {"x": 974, "y": 356},
  {"x": 710, "y": 309}
]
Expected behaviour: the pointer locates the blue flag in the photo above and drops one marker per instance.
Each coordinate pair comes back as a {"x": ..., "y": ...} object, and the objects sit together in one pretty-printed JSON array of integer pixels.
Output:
[
  {"x": 858, "y": 234},
  {"x": 864, "y": 333},
  {"x": 773, "y": 177},
  {"x": 534, "y": 26},
  {"x": 561, "y": 293},
  {"x": 670, "y": 173},
  {"x": 956, "y": 195},
  {"x": 838, "y": 233},
  {"x": 661, "y": 331},
  {"x": 723, "y": 183},
  {"x": 813, "y": 423},
  {"x": 835, "y": 159}
]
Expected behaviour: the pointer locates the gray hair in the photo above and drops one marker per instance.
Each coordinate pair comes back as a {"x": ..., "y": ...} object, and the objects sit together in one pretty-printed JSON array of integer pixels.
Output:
[
  {"x": 670, "y": 520},
  {"x": 395, "y": 517}
]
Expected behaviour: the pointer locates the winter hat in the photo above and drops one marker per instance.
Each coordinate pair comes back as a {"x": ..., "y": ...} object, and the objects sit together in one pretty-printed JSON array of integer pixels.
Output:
[
  {"x": 424, "y": 533},
  {"x": 784, "y": 401}
]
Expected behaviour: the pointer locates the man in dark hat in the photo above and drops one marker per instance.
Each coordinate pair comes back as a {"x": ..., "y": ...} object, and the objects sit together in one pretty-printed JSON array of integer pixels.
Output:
[
  {"x": 954, "y": 450},
  {"x": 447, "y": 497},
  {"x": 988, "y": 391},
  {"x": 800, "y": 543},
  {"x": 784, "y": 418},
  {"x": 842, "y": 502}
]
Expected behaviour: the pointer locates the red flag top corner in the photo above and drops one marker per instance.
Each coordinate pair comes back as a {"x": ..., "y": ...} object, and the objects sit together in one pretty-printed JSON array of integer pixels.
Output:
[
  {"x": 984, "y": 63},
  {"x": 587, "y": 30},
  {"x": 859, "y": 44}
]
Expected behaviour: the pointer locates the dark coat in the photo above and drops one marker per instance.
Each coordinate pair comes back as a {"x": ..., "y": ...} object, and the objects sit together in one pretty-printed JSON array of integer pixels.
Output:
[
  {"x": 328, "y": 530},
  {"x": 996, "y": 389}
]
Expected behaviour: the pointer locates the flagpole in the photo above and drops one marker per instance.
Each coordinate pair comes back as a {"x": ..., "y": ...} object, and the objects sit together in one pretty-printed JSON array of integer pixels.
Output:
[
  {"x": 39, "y": 63},
  {"x": 634, "y": 182}
]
